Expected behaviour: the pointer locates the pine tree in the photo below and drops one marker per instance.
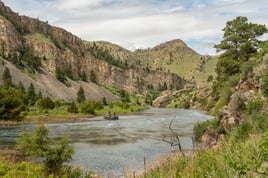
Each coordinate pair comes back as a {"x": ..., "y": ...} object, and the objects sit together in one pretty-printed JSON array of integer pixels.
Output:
[
  {"x": 31, "y": 96},
  {"x": 80, "y": 95},
  {"x": 7, "y": 79},
  {"x": 93, "y": 77},
  {"x": 20, "y": 87}
]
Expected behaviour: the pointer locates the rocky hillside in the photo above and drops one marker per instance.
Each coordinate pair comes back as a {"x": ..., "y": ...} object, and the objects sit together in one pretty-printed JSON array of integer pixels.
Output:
[
  {"x": 39, "y": 49},
  {"x": 172, "y": 57}
]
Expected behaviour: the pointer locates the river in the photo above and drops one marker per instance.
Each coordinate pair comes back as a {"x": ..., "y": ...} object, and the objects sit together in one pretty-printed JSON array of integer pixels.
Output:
[{"x": 110, "y": 147}]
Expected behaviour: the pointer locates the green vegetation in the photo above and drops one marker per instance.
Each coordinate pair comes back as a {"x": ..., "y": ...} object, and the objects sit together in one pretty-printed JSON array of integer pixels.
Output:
[
  {"x": 11, "y": 104},
  {"x": 7, "y": 79},
  {"x": 39, "y": 145},
  {"x": 242, "y": 149},
  {"x": 81, "y": 95},
  {"x": 103, "y": 54}
]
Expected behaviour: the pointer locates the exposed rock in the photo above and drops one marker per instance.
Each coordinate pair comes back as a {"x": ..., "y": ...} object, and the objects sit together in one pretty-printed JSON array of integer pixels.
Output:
[
  {"x": 164, "y": 99},
  {"x": 210, "y": 137},
  {"x": 49, "y": 86},
  {"x": 60, "y": 49}
]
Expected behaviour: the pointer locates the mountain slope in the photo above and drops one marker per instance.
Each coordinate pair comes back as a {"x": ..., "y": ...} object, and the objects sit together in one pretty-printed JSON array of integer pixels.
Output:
[{"x": 37, "y": 48}]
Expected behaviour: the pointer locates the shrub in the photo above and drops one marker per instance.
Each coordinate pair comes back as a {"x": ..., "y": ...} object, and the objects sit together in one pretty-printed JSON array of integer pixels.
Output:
[
  {"x": 72, "y": 108},
  {"x": 11, "y": 104},
  {"x": 45, "y": 103},
  {"x": 40, "y": 145},
  {"x": 87, "y": 107}
]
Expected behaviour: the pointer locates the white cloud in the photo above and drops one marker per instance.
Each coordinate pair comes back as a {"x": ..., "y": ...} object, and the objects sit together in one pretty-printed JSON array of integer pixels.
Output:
[{"x": 143, "y": 24}]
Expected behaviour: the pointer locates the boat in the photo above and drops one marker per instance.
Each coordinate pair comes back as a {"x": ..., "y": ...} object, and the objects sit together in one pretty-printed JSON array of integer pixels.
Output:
[{"x": 110, "y": 117}]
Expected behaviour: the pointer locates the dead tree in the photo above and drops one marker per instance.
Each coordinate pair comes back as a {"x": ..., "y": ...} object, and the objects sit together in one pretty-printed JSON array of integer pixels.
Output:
[{"x": 174, "y": 139}]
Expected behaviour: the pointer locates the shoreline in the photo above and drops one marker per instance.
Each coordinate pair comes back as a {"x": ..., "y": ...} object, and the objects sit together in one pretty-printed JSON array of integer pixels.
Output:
[{"x": 44, "y": 119}]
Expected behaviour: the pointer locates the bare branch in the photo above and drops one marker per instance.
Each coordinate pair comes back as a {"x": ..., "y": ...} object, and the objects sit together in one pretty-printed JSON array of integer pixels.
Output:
[{"x": 174, "y": 138}]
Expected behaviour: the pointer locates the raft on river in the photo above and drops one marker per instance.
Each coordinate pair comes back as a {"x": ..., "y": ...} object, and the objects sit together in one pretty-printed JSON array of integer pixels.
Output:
[{"x": 108, "y": 116}]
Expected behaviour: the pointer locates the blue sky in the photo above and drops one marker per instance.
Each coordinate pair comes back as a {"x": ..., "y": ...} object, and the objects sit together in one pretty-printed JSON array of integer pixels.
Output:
[{"x": 136, "y": 24}]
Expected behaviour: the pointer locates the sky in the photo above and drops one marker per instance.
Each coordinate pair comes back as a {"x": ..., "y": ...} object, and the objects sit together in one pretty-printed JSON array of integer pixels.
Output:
[{"x": 140, "y": 24}]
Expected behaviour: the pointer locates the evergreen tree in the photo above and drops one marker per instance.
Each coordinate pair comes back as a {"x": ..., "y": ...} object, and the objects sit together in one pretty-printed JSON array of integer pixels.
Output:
[
  {"x": 93, "y": 77},
  {"x": 80, "y": 95},
  {"x": 20, "y": 87},
  {"x": 265, "y": 82},
  {"x": 7, "y": 79},
  {"x": 72, "y": 108},
  {"x": 11, "y": 104},
  {"x": 240, "y": 42},
  {"x": 31, "y": 96},
  {"x": 104, "y": 101},
  {"x": 84, "y": 76}
]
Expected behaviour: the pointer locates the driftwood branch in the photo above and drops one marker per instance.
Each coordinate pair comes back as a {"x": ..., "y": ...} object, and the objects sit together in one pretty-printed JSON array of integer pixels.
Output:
[{"x": 174, "y": 139}]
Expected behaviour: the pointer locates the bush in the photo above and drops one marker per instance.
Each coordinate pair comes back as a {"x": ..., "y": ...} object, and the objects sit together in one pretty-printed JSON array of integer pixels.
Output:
[
  {"x": 200, "y": 128},
  {"x": 11, "y": 104},
  {"x": 45, "y": 103},
  {"x": 40, "y": 145},
  {"x": 254, "y": 105},
  {"x": 72, "y": 108},
  {"x": 87, "y": 107}
]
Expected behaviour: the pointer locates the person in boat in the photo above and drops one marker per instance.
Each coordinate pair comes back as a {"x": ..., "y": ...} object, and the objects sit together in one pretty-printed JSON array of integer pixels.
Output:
[
  {"x": 115, "y": 117},
  {"x": 108, "y": 115}
]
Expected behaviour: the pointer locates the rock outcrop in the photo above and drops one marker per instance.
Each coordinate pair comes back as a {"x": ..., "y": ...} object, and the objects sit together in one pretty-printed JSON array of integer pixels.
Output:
[{"x": 59, "y": 49}]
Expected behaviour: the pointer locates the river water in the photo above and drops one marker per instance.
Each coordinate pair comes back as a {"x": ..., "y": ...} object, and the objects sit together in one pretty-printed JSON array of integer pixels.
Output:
[{"x": 111, "y": 147}]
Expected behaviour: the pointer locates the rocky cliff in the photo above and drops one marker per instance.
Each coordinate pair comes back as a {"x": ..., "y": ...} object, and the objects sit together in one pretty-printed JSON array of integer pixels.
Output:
[{"x": 59, "y": 50}]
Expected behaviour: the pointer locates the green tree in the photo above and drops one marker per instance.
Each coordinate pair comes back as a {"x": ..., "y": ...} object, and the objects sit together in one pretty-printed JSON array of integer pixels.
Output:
[
  {"x": 84, "y": 76},
  {"x": 104, "y": 101},
  {"x": 265, "y": 82},
  {"x": 11, "y": 104},
  {"x": 7, "y": 79},
  {"x": 60, "y": 75},
  {"x": 93, "y": 77},
  {"x": 80, "y": 95},
  {"x": 31, "y": 95},
  {"x": 45, "y": 103},
  {"x": 240, "y": 40},
  {"x": 40, "y": 145},
  {"x": 72, "y": 108},
  {"x": 20, "y": 87}
]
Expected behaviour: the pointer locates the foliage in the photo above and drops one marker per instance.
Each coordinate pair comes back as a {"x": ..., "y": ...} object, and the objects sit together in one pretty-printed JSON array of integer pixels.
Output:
[
  {"x": 200, "y": 128},
  {"x": 84, "y": 76},
  {"x": 89, "y": 107},
  {"x": 103, "y": 54},
  {"x": 265, "y": 82},
  {"x": 40, "y": 145},
  {"x": 254, "y": 105},
  {"x": 60, "y": 75},
  {"x": 93, "y": 77},
  {"x": 226, "y": 67},
  {"x": 45, "y": 103},
  {"x": 11, "y": 104},
  {"x": 24, "y": 58},
  {"x": 240, "y": 159},
  {"x": 6, "y": 77},
  {"x": 72, "y": 108},
  {"x": 80, "y": 95},
  {"x": 31, "y": 95},
  {"x": 240, "y": 40}
]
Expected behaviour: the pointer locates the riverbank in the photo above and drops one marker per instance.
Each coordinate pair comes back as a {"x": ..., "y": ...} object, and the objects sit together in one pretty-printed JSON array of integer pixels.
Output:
[
  {"x": 168, "y": 158},
  {"x": 48, "y": 118}
]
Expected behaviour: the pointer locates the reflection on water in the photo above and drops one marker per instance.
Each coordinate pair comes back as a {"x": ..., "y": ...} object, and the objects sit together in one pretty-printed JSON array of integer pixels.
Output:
[{"x": 111, "y": 146}]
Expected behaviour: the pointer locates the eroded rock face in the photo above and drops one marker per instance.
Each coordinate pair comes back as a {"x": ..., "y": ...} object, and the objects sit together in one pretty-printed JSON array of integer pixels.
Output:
[
  {"x": 58, "y": 48},
  {"x": 9, "y": 37},
  {"x": 163, "y": 100}
]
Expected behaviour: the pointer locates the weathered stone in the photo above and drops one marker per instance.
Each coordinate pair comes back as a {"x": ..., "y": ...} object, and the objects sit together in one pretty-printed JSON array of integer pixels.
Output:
[{"x": 164, "y": 99}]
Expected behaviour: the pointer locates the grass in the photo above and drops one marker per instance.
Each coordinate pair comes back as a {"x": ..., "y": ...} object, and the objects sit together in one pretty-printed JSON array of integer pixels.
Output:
[
  {"x": 37, "y": 37},
  {"x": 242, "y": 159}
]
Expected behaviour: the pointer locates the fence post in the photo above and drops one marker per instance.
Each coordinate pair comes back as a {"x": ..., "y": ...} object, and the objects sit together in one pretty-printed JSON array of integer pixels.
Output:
[{"x": 145, "y": 167}]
